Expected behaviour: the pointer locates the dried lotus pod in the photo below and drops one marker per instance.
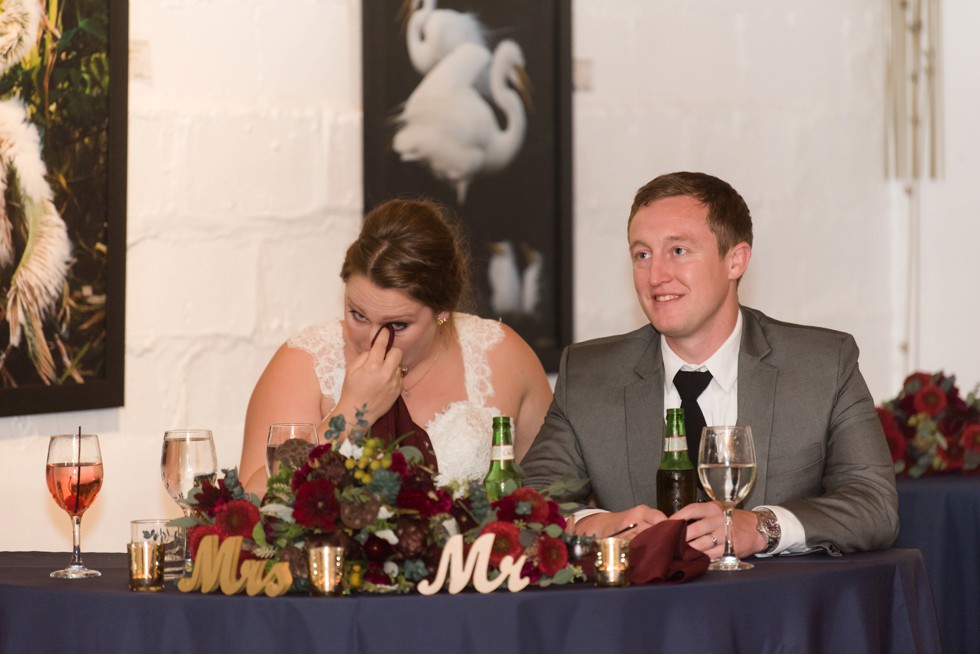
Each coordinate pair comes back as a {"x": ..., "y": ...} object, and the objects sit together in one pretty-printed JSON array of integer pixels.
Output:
[
  {"x": 412, "y": 535},
  {"x": 293, "y": 452},
  {"x": 296, "y": 558},
  {"x": 358, "y": 513}
]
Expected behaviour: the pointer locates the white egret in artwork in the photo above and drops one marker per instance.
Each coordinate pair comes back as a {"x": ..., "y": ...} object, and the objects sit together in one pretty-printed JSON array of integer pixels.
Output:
[
  {"x": 531, "y": 279},
  {"x": 433, "y": 33},
  {"x": 34, "y": 245},
  {"x": 448, "y": 126},
  {"x": 504, "y": 278}
]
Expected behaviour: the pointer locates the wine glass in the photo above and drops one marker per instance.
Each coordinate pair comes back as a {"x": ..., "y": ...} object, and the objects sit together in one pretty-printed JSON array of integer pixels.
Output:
[
  {"x": 281, "y": 432},
  {"x": 74, "y": 476},
  {"x": 726, "y": 466},
  {"x": 188, "y": 460}
]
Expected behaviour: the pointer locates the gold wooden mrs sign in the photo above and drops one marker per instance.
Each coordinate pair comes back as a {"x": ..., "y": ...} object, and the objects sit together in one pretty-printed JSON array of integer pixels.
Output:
[{"x": 217, "y": 566}]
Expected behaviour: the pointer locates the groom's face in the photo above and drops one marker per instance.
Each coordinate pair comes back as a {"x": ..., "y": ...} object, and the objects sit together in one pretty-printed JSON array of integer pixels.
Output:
[{"x": 686, "y": 289}]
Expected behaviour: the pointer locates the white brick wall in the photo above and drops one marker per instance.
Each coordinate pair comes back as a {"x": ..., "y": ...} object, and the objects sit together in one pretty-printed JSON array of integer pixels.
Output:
[{"x": 245, "y": 189}]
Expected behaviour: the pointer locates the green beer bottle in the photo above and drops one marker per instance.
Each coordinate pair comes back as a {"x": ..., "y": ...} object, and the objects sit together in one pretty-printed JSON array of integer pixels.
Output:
[
  {"x": 502, "y": 469},
  {"x": 676, "y": 478}
]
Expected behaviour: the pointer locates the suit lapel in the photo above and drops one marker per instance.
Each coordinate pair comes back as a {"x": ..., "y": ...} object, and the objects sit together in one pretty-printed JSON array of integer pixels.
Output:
[
  {"x": 645, "y": 423},
  {"x": 756, "y": 397}
]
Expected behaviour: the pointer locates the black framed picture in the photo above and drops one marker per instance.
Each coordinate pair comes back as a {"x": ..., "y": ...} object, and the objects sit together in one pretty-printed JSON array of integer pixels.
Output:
[
  {"x": 63, "y": 115},
  {"x": 469, "y": 103}
]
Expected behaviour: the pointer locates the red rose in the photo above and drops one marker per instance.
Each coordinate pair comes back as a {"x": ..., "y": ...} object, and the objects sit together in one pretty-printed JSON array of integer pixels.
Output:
[
  {"x": 316, "y": 505},
  {"x": 506, "y": 541},
  {"x": 554, "y": 514},
  {"x": 930, "y": 400},
  {"x": 196, "y": 534},
  {"x": 552, "y": 554},
  {"x": 531, "y": 571},
  {"x": 915, "y": 381},
  {"x": 398, "y": 463},
  {"x": 236, "y": 518},
  {"x": 896, "y": 440},
  {"x": 971, "y": 438},
  {"x": 523, "y": 504}
]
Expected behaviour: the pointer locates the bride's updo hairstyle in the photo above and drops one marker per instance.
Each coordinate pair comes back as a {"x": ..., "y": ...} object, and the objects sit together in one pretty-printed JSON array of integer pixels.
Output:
[{"x": 411, "y": 246}]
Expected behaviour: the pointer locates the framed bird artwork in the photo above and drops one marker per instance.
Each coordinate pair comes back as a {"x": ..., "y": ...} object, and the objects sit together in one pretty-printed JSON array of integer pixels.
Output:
[
  {"x": 468, "y": 102},
  {"x": 63, "y": 90}
]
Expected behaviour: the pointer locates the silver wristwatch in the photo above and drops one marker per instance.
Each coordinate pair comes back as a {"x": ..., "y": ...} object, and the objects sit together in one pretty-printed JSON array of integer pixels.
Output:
[{"x": 768, "y": 526}]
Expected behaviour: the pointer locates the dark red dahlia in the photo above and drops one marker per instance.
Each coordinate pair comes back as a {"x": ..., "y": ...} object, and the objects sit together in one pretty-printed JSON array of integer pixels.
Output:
[
  {"x": 212, "y": 497},
  {"x": 236, "y": 518},
  {"x": 316, "y": 505},
  {"x": 377, "y": 549}
]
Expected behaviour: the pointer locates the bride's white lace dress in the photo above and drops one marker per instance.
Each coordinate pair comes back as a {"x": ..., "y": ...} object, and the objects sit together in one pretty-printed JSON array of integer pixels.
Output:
[{"x": 461, "y": 432}]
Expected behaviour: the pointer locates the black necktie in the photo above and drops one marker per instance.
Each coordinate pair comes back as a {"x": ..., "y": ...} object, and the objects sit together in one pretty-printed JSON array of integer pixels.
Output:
[{"x": 690, "y": 385}]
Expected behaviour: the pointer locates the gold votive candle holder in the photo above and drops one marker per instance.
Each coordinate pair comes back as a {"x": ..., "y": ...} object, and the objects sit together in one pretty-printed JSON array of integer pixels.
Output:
[
  {"x": 326, "y": 568},
  {"x": 612, "y": 562},
  {"x": 145, "y": 566}
]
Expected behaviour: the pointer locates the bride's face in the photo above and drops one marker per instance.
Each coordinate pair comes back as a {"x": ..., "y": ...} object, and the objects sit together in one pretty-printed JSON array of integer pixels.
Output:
[{"x": 369, "y": 307}]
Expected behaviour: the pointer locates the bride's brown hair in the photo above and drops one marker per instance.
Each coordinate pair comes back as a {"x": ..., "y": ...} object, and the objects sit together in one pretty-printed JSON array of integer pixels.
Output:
[{"x": 414, "y": 247}]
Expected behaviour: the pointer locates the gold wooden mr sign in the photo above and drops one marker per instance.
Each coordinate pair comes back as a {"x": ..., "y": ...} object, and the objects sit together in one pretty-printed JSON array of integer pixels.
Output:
[{"x": 461, "y": 569}]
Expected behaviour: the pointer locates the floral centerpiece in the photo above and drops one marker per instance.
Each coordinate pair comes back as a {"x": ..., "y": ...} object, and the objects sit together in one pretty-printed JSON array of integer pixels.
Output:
[
  {"x": 930, "y": 428},
  {"x": 381, "y": 503}
]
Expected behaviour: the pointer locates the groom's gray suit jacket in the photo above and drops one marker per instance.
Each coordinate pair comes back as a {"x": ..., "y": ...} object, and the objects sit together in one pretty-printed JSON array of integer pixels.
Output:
[{"x": 821, "y": 452}]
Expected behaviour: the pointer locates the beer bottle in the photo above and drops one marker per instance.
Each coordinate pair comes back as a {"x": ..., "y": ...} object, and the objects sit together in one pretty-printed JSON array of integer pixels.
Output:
[
  {"x": 676, "y": 478},
  {"x": 502, "y": 468}
]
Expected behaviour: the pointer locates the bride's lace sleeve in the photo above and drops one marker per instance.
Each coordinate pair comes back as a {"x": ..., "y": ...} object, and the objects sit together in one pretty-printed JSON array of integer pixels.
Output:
[
  {"x": 477, "y": 336},
  {"x": 325, "y": 343}
]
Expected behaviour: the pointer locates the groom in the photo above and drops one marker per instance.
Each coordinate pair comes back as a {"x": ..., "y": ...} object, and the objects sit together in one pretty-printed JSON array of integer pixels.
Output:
[{"x": 824, "y": 474}]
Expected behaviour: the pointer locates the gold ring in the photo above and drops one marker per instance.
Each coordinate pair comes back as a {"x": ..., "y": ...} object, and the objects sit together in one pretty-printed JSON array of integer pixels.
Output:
[
  {"x": 403, "y": 370},
  {"x": 714, "y": 541}
]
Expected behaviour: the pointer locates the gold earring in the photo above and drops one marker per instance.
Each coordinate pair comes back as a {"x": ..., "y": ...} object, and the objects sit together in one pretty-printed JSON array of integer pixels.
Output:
[{"x": 440, "y": 321}]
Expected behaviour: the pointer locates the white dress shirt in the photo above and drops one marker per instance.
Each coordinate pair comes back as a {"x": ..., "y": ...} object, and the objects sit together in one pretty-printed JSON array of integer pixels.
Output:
[{"x": 719, "y": 404}]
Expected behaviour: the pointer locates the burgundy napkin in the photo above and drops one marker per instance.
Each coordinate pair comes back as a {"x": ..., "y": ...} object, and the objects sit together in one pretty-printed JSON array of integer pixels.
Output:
[
  {"x": 398, "y": 421},
  {"x": 660, "y": 555}
]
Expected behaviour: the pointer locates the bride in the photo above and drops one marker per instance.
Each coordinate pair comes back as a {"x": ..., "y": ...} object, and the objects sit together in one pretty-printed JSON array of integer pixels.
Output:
[{"x": 454, "y": 371}]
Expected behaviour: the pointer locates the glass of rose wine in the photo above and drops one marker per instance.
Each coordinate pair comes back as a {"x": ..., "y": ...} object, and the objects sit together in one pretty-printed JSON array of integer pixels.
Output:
[
  {"x": 188, "y": 460},
  {"x": 726, "y": 466},
  {"x": 74, "y": 476}
]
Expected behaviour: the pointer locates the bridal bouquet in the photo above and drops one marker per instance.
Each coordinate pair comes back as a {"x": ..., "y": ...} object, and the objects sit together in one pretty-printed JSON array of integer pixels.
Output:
[
  {"x": 381, "y": 503},
  {"x": 931, "y": 428}
]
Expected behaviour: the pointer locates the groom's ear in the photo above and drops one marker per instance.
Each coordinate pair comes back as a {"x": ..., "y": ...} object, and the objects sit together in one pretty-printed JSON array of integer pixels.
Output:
[{"x": 738, "y": 260}]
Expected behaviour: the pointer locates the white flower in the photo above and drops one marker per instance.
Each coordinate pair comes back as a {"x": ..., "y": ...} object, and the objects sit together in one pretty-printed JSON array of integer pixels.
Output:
[
  {"x": 281, "y": 511},
  {"x": 388, "y": 535}
]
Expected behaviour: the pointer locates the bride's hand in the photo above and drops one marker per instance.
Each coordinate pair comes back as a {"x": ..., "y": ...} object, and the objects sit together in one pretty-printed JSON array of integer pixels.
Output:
[{"x": 372, "y": 379}]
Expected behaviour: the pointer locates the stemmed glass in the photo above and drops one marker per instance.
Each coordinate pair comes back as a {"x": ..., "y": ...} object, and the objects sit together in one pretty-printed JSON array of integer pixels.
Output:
[
  {"x": 281, "y": 432},
  {"x": 726, "y": 466},
  {"x": 74, "y": 476},
  {"x": 188, "y": 460}
]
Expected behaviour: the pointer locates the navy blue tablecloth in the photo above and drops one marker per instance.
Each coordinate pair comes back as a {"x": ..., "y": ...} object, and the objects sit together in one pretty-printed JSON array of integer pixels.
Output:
[
  {"x": 870, "y": 602},
  {"x": 941, "y": 517}
]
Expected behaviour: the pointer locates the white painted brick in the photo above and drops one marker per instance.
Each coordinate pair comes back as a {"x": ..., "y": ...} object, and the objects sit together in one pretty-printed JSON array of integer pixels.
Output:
[
  {"x": 191, "y": 287},
  {"x": 251, "y": 164}
]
